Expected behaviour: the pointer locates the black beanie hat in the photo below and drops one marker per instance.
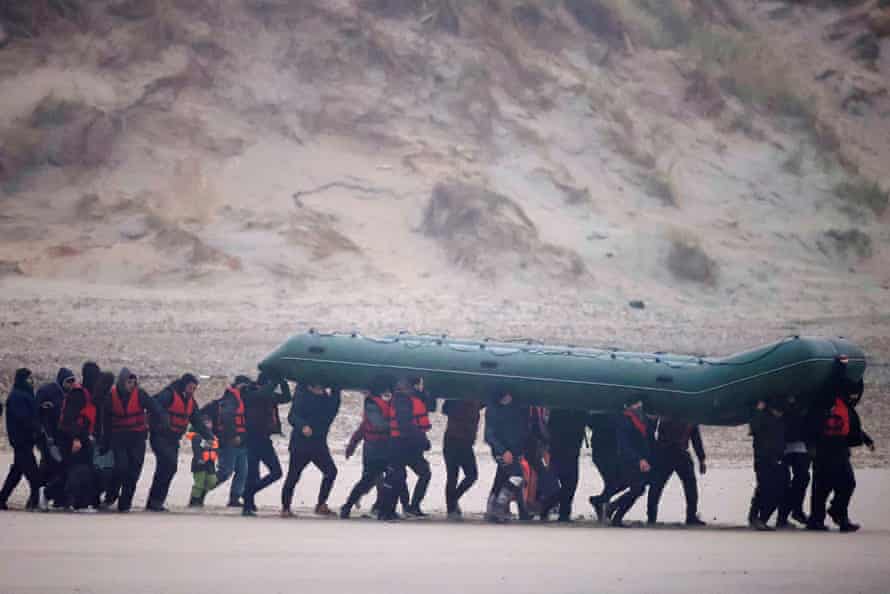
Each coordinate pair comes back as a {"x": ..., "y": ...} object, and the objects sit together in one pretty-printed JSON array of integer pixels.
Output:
[
  {"x": 188, "y": 378},
  {"x": 21, "y": 377}
]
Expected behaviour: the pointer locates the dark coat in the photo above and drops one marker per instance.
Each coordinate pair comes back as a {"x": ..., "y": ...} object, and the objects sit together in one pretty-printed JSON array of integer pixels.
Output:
[
  {"x": 316, "y": 411},
  {"x": 22, "y": 418},
  {"x": 768, "y": 431},
  {"x": 633, "y": 446},
  {"x": 261, "y": 408},
  {"x": 49, "y": 401},
  {"x": 463, "y": 420},
  {"x": 506, "y": 428},
  {"x": 566, "y": 429}
]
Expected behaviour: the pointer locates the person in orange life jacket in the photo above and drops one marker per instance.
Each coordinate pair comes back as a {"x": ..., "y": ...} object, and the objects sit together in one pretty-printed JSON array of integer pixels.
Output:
[
  {"x": 103, "y": 460},
  {"x": 418, "y": 464},
  {"x": 231, "y": 428},
  {"x": 506, "y": 432},
  {"x": 24, "y": 433},
  {"x": 52, "y": 467},
  {"x": 178, "y": 399},
  {"x": 375, "y": 432},
  {"x": 796, "y": 466},
  {"x": 670, "y": 455},
  {"x": 312, "y": 412},
  {"x": 768, "y": 431},
  {"x": 457, "y": 449},
  {"x": 261, "y": 401},
  {"x": 634, "y": 433},
  {"x": 566, "y": 430},
  {"x": 834, "y": 427},
  {"x": 204, "y": 455},
  {"x": 127, "y": 420},
  {"x": 408, "y": 425},
  {"x": 77, "y": 427}
]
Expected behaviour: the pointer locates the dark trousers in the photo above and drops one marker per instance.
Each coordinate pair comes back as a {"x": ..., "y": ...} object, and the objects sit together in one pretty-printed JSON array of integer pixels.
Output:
[
  {"x": 129, "y": 455},
  {"x": 372, "y": 471},
  {"x": 52, "y": 476},
  {"x": 796, "y": 480},
  {"x": 606, "y": 463},
  {"x": 459, "y": 456},
  {"x": 770, "y": 487},
  {"x": 669, "y": 460},
  {"x": 565, "y": 464},
  {"x": 394, "y": 483},
  {"x": 317, "y": 453},
  {"x": 260, "y": 449},
  {"x": 633, "y": 484},
  {"x": 420, "y": 467},
  {"x": 503, "y": 489},
  {"x": 832, "y": 473},
  {"x": 166, "y": 450},
  {"x": 23, "y": 464}
]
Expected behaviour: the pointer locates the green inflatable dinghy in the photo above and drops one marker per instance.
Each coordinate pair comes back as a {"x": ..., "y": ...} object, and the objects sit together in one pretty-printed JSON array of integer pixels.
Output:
[{"x": 714, "y": 391}]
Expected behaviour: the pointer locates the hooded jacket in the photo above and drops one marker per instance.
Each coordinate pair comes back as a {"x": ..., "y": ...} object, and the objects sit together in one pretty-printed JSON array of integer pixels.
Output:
[
  {"x": 633, "y": 445},
  {"x": 768, "y": 431},
  {"x": 261, "y": 403},
  {"x": 566, "y": 428},
  {"x": 74, "y": 402},
  {"x": 463, "y": 420},
  {"x": 49, "y": 402},
  {"x": 145, "y": 401},
  {"x": 506, "y": 427},
  {"x": 316, "y": 411},
  {"x": 22, "y": 419}
]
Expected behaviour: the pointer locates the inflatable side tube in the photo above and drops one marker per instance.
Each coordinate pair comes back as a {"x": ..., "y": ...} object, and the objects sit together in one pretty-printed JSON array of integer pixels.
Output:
[{"x": 716, "y": 391}]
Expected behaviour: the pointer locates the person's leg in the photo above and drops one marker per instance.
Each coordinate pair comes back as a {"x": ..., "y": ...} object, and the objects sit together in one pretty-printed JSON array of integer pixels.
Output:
[
  {"x": 800, "y": 468},
  {"x": 393, "y": 482},
  {"x": 239, "y": 480},
  {"x": 660, "y": 473},
  {"x": 371, "y": 472},
  {"x": 785, "y": 502},
  {"x": 636, "y": 488},
  {"x": 199, "y": 488},
  {"x": 685, "y": 469},
  {"x": 14, "y": 476},
  {"x": 121, "y": 467},
  {"x": 452, "y": 469},
  {"x": 268, "y": 456},
  {"x": 225, "y": 464},
  {"x": 421, "y": 468},
  {"x": 568, "y": 484},
  {"x": 27, "y": 464},
  {"x": 773, "y": 489},
  {"x": 136, "y": 458},
  {"x": 325, "y": 463},
  {"x": 822, "y": 485},
  {"x": 299, "y": 459},
  {"x": 467, "y": 463},
  {"x": 253, "y": 476},
  {"x": 166, "y": 452},
  {"x": 845, "y": 484}
]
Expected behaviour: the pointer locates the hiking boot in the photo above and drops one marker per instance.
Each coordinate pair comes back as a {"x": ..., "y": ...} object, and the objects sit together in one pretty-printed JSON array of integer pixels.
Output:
[
  {"x": 322, "y": 509},
  {"x": 849, "y": 526},
  {"x": 344, "y": 512},
  {"x": 695, "y": 521}
]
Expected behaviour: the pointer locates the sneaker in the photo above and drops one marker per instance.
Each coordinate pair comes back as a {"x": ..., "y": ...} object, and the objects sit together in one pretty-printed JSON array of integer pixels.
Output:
[
  {"x": 799, "y": 517},
  {"x": 761, "y": 526},
  {"x": 695, "y": 521},
  {"x": 344, "y": 512},
  {"x": 322, "y": 509}
]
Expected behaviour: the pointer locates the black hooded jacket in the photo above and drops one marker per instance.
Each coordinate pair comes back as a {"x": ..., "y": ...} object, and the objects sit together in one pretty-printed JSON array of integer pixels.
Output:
[
  {"x": 506, "y": 427},
  {"x": 316, "y": 411},
  {"x": 49, "y": 401},
  {"x": 22, "y": 419},
  {"x": 261, "y": 403}
]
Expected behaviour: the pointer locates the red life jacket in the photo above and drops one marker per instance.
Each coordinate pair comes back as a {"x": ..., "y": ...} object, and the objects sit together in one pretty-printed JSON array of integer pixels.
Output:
[
  {"x": 240, "y": 418},
  {"x": 419, "y": 417},
  {"x": 638, "y": 423},
  {"x": 838, "y": 422},
  {"x": 130, "y": 420},
  {"x": 180, "y": 411},
  {"x": 373, "y": 433},
  {"x": 421, "y": 414},
  {"x": 86, "y": 418}
]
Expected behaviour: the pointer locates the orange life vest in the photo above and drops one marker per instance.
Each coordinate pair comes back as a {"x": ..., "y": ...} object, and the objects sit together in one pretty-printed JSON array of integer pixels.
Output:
[
  {"x": 180, "y": 411},
  {"x": 211, "y": 454},
  {"x": 240, "y": 418},
  {"x": 838, "y": 422},
  {"x": 133, "y": 418},
  {"x": 638, "y": 423},
  {"x": 86, "y": 418},
  {"x": 373, "y": 433},
  {"x": 419, "y": 417}
]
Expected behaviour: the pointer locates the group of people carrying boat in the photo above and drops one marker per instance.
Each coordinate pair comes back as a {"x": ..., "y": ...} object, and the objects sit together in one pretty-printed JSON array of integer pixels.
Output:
[{"x": 91, "y": 435}]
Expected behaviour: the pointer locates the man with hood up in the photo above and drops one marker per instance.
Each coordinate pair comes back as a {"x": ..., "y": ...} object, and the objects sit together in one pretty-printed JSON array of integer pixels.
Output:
[
  {"x": 127, "y": 421},
  {"x": 506, "y": 431},
  {"x": 178, "y": 399},
  {"x": 50, "y": 397},
  {"x": 24, "y": 432},
  {"x": 77, "y": 431}
]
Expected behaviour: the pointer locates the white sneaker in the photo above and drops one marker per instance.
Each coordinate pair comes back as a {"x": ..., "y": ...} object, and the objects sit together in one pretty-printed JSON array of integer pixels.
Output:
[{"x": 42, "y": 503}]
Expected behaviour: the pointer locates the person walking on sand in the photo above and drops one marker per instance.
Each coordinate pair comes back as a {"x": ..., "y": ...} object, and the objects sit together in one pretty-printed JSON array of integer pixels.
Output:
[
  {"x": 261, "y": 401},
  {"x": 457, "y": 449},
  {"x": 24, "y": 432}
]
